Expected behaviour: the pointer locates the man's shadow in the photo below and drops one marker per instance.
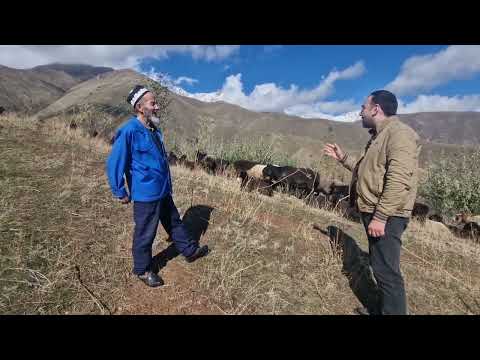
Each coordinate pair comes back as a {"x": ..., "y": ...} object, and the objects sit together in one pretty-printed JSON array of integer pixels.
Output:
[
  {"x": 196, "y": 219},
  {"x": 355, "y": 266}
]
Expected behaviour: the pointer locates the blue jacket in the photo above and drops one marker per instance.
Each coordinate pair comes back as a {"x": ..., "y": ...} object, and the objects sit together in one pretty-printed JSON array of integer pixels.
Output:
[{"x": 135, "y": 155}]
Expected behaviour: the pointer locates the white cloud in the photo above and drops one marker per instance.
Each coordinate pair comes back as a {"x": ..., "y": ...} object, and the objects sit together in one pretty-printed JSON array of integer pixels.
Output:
[
  {"x": 336, "y": 107},
  {"x": 431, "y": 103},
  {"x": 422, "y": 103},
  {"x": 169, "y": 82},
  {"x": 350, "y": 116},
  {"x": 116, "y": 56},
  {"x": 212, "y": 53},
  {"x": 424, "y": 73},
  {"x": 270, "y": 97},
  {"x": 292, "y": 101},
  {"x": 323, "y": 109},
  {"x": 185, "y": 79}
]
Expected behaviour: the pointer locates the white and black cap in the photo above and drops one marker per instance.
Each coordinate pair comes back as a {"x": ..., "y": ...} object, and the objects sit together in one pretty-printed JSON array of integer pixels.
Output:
[{"x": 136, "y": 94}]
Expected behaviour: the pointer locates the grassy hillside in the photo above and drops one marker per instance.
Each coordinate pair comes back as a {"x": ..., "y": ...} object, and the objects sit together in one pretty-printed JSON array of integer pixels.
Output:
[
  {"x": 30, "y": 90},
  {"x": 65, "y": 245},
  {"x": 460, "y": 128},
  {"x": 79, "y": 72},
  {"x": 109, "y": 90},
  {"x": 443, "y": 134}
]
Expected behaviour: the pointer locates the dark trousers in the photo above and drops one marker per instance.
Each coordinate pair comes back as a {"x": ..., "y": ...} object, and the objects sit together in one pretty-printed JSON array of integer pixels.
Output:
[
  {"x": 147, "y": 215},
  {"x": 384, "y": 253}
]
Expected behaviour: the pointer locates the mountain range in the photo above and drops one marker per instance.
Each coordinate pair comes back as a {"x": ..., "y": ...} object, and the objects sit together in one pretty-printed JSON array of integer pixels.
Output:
[{"x": 50, "y": 90}]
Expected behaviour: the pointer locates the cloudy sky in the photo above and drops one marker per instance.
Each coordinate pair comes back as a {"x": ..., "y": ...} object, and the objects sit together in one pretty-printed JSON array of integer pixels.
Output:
[{"x": 308, "y": 81}]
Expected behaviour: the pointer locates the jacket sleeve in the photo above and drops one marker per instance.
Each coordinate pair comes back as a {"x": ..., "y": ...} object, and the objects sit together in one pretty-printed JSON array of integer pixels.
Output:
[
  {"x": 402, "y": 162},
  {"x": 348, "y": 162},
  {"x": 117, "y": 164}
]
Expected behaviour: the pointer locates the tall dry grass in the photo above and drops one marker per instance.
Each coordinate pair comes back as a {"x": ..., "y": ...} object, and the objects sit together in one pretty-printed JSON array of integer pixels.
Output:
[
  {"x": 57, "y": 250},
  {"x": 69, "y": 243}
]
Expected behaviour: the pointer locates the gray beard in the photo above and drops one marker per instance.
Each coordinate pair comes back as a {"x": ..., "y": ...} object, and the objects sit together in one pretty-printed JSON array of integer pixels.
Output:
[
  {"x": 149, "y": 116},
  {"x": 155, "y": 120}
]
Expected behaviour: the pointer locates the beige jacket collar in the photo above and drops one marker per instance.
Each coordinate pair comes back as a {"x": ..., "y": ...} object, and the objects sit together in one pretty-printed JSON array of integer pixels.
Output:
[{"x": 384, "y": 124}]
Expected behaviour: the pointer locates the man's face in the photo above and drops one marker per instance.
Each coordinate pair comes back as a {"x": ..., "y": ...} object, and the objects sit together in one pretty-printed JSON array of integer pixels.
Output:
[
  {"x": 149, "y": 106},
  {"x": 369, "y": 110}
]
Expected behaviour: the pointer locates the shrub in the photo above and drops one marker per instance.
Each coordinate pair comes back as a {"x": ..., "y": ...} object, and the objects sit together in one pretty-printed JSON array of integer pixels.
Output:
[
  {"x": 238, "y": 148},
  {"x": 453, "y": 185}
]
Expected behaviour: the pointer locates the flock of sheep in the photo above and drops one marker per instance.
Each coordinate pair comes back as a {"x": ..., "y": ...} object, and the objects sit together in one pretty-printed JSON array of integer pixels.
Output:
[{"x": 305, "y": 183}]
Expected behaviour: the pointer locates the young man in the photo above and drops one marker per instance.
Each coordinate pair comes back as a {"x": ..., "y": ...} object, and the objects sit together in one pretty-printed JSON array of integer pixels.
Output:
[
  {"x": 384, "y": 187},
  {"x": 139, "y": 154}
]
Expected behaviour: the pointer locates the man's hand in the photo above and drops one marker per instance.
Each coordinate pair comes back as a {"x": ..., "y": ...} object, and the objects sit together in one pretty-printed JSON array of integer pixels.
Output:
[
  {"x": 124, "y": 200},
  {"x": 334, "y": 151},
  {"x": 376, "y": 228}
]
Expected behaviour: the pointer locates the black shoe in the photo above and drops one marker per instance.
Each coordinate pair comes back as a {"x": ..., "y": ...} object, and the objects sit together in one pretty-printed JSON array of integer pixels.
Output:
[
  {"x": 151, "y": 279},
  {"x": 361, "y": 311},
  {"x": 200, "y": 252}
]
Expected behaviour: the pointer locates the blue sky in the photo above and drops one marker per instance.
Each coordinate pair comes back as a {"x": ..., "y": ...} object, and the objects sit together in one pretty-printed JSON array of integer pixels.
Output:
[
  {"x": 292, "y": 64},
  {"x": 308, "y": 81}
]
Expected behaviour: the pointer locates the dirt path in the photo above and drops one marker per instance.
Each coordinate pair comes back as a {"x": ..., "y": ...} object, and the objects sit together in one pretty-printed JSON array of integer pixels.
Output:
[{"x": 179, "y": 295}]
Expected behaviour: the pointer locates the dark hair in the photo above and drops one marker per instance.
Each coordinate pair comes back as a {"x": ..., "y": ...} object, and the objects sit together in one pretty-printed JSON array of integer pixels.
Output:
[{"x": 386, "y": 100}]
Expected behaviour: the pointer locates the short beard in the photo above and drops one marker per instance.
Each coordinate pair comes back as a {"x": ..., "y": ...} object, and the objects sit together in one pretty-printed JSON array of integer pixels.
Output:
[
  {"x": 155, "y": 120},
  {"x": 150, "y": 117},
  {"x": 366, "y": 124}
]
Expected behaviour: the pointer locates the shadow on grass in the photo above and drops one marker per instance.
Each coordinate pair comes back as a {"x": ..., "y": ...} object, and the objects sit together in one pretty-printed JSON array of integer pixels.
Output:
[
  {"x": 355, "y": 266},
  {"x": 196, "y": 219}
]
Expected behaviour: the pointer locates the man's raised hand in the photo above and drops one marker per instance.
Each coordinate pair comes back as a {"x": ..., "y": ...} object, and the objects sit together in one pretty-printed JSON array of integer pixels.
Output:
[{"x": 334, "y": 151}]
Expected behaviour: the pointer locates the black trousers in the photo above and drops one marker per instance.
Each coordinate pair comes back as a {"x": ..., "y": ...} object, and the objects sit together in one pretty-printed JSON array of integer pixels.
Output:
[
  {"x": 384, "y": 253},
  {"x": 147, "y": 216}
]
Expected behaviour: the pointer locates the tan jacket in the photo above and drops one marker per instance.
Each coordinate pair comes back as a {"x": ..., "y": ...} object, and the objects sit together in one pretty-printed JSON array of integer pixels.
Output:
[{"x": 386, "y": 175}]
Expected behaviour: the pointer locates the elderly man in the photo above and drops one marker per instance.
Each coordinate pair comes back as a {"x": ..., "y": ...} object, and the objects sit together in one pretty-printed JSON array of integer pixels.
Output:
[
  {"x": 384, "y": 187},
  {"x": 139, "y": 154}
]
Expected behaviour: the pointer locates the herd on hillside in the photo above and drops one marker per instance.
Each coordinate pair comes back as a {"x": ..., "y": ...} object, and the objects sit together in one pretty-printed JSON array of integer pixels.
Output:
[{"x": 308, "y": 185}]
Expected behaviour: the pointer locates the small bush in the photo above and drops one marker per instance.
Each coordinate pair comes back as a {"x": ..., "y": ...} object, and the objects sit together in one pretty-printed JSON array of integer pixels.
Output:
[
  {"x": 453, "y": 185},
  {"x": 238, "y": 148},
  {"x": 252, "y": 149},
  {"x": 95, "y": 119}
]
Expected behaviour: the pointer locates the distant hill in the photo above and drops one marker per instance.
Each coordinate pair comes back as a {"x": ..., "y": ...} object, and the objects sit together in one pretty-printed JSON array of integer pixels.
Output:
[
  {"x": 109, "y": 90},
  {"x": 79, "y": 72},
  {"x": 460, "y": 128},
  {"x": 290, "y": 134},
  {"x": 31, "y": 90},
  {"x": 60, "y": 89}
]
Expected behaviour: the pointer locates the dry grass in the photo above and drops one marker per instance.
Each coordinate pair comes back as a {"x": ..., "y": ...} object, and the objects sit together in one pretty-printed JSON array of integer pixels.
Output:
[
  {"x": 58, "y": 252},
  {"x": 58, "y": 217}
]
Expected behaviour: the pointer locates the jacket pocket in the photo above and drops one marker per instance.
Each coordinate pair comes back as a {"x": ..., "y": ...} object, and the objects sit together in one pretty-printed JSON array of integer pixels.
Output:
[
  {"x": 143, "y": 173},
  {"x": 142, "y": 141}
]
